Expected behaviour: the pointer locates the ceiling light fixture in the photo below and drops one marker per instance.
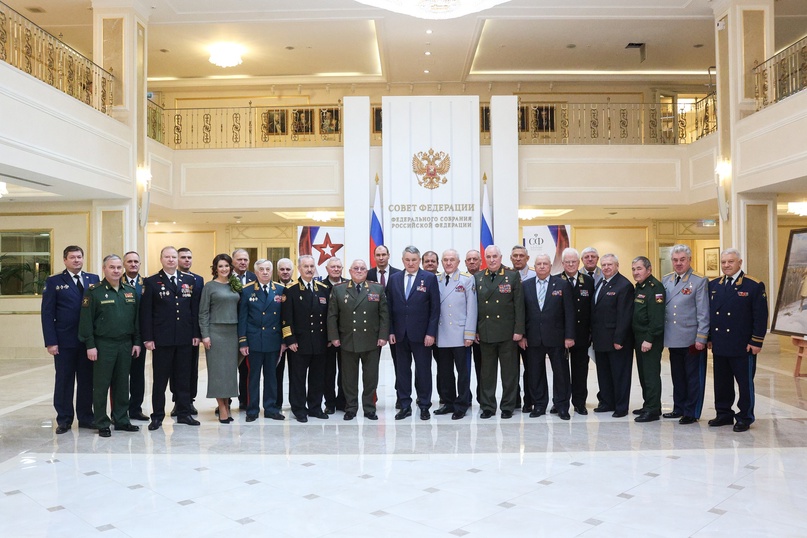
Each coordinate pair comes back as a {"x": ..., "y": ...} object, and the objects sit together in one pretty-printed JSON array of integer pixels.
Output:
[
  {"x": 321, "y": 216},
  {"x": 434, "y": 9},
  {"x": 226, "y": 54},
  {"x": 797, "y": 208}
]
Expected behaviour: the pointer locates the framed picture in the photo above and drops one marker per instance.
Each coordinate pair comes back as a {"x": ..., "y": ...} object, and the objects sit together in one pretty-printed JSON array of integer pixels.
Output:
[
  {"x": 329, "y": 121},
  {"x": 302, "y": 121},
  {"x": 484, "y": 118},
  {"x": 377, "y": 120},
  {"x": 790, "y": 313},
  {"x": 274, "y": 122},
  {"x": 711, "y": 262},
  {"x": 544, "y": 118}
]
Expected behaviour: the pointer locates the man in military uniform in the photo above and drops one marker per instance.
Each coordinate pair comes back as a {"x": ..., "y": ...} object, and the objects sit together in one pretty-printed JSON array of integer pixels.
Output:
[
  {"x": 109, "y": 328},
  {"x": 305, "y": 314},
  {"x": 358, "y": 323},
  {"x": 738, "y": 320},
  {"x": 244, "y": 275},
  {"x": 519, "y": 257},
  {"x": 260, "y": 340},
  {"x": 648, "y": 336},
  {"x": 473, "y": 263},
  {"x": 333, "y": 392},
  {"x": 184, "y": 264},
  {"x": 137, "y": 373},
  {"x": 285, "y": 274},
  {"x": 590, "y": 257},
  {"x": 499, "y": 327},
  {"x": 61, "y": 308},
  {"x": 169, "y": 324},
  {"x": 583, "y": 295},
  {"x": 455, "y": 334},
  {"x": 686, "y": 329}
]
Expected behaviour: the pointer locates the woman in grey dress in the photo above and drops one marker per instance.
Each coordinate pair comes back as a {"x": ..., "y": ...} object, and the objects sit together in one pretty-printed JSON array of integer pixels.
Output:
[{"x": 218, "y": 321}]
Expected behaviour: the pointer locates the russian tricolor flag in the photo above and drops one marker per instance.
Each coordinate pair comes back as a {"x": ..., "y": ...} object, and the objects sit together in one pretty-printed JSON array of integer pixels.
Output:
[
  {"x": 486, "y": 228},
  {"x": 376, "y": 226}
]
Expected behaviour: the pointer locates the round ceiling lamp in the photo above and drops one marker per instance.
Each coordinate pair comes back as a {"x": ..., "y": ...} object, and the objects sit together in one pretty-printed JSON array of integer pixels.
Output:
[
  {"x": 434, "y": 9},
  {"x": 226, "y": 54}
]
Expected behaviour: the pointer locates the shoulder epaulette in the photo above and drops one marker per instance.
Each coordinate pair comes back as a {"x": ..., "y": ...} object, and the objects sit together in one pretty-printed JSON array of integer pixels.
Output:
[
  {"x": 751, "y": 278},
  {"x": 466, "y": 274},
  {"x": 93, "y": 286},
  {"x": 669, "y": 274},
  {"x": 694, "y": 273},
  {"x": 319, "y": 283}
]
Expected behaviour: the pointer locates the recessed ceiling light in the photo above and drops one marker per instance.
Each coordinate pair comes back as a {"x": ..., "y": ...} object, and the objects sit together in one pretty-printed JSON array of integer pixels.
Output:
[
  {"x": 426, "y": 71},
  {"x": 427, "y": 53},
  {"x": 163, "y": 50},
  {"x": 428, "y": 31},
  {"x": 289, "y": 48},
  {"x": 571, "y": 46},
  {"x": 698, "y": 45}
]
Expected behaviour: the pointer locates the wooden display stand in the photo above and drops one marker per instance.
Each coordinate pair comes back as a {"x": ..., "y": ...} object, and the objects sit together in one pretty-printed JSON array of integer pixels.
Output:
[{"x": 801, "y": 344}]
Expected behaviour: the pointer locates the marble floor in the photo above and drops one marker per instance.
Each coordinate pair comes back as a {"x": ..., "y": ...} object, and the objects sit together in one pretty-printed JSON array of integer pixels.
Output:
[{"x": 593, "y": 476}]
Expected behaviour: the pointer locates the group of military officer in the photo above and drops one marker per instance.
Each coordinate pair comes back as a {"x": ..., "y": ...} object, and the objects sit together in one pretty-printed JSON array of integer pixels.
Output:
[{"x": 325, "y": 328}]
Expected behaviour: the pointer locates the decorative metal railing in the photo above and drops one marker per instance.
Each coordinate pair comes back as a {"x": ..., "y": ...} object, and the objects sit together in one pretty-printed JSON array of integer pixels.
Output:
[
  {"x": 781, "y": 75},
  {"x": 38, "y": 53}
]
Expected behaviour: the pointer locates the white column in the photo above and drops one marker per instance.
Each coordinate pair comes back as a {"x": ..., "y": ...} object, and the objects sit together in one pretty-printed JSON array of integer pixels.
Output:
[
  {"x": 503, "y": 181},
  {"x": 358, "y": 183}
]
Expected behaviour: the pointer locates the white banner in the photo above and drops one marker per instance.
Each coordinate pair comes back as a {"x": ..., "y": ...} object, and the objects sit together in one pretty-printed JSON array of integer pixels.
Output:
[
  {"x": 550, "y": 240},
  {"x": 431, "y": 177}
]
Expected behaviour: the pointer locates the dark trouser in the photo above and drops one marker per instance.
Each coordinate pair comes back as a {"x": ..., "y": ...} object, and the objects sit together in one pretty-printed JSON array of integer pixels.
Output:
[
  {"x": 525, "y": 379},
  {"x": 477, "y": 356},
  {"x": 578, "y": 362},
  {"x": 257, "y": 362},
  {"x": 493, "y": 355},
  {"x": 444, "y": 398},
  {"x": 538, "y": 386},
  {"x": 393, "y": 351},
  {"x": 171, "y": 362},
  {"x": 333, "y": 393},
  {"x": 648, "y": 365},
  {"x": 111, "y": 371},
  {"x": 73, "y": 370},
  {"x": 194, "y": 375},
  {"x": 279, "y": 369},
  {"x": 422, "y": 356},
  {"x": 302, "y": 366},
  {"x": 613, "y": 376},
  {"x": 688, "y": 370},
  {"x": 350, "y": 379},
  {"x": 727, "y": 370},
  {"x": 243, "y": 383},
  {"x": 455, "y": 396},
  {"x": 137, "y": 382}
]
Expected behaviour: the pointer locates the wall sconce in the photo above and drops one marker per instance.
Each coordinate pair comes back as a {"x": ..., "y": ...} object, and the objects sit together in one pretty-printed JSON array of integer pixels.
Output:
[
  {"x": 722, "y": 174},
  {"x": 143, "y": 177},
  {"x": 3, "y": 189}
]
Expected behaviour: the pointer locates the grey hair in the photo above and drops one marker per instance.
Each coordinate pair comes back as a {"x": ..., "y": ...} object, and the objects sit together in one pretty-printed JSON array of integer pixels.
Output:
[
  {"x": 261, "y": 262},
  {"x": 412, "y": 249},
  {"x": 571, "y": 252},
  {"x": 681, "y": 248},
  {"x": 644, "y": 260}
]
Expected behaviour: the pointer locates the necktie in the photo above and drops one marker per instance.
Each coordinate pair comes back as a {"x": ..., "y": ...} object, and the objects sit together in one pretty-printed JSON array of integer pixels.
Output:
[
  {"x": 132, "y": 282},
  {"x": 266, "y": 289},
  {"x": 79, "y": 284},
  {"x": 572, "y": 280},
  {"x": 492, "y": 277},
  {"x": 358, "y": 287},
  {"x": 728, "y": 282},
  {"x": 448, "y": 279},
  {"x": 677, "y": 279},
  {"x": 591, "y": 274},
  {"x": 243, "y": 279},
  {"x": 541, "y": 293},
  {"x": 173, "y": 281},
  {"x": 408, "y": 284},
  {"x": 310, "y": 287},
  {"x": 383, "y": 280},
  {"x": 600, "y": 286}
]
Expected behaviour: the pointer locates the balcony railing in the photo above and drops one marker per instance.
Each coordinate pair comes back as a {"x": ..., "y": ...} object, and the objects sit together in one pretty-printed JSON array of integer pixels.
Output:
[
  {"x": 33, "y": 50},
  {"x": 781, "y": 75}
]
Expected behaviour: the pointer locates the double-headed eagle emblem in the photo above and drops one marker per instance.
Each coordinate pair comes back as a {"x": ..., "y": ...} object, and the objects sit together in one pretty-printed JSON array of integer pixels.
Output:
[{"x": 431, "y": 168}]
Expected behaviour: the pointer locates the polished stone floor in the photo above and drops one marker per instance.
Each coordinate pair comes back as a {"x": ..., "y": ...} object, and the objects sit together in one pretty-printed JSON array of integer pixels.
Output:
[{"x": 592, "y": 476}]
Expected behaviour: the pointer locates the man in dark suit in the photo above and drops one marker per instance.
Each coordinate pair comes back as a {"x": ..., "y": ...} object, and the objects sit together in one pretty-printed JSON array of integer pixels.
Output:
[
  {"x": 738, "y": 321},
  {"x": 169, "y": 324},
  {"x": 499, "y": 327},
  {"x": 583, "y": 295},
  {"x": 414, "y": 306},
  {"x": 137, "y": 370},
  {"x": 381, "y": 274},
  {"x": 611, "y": 319},
  {"x": 185, "y": 261},
  {"x": 473, "y": 263},
  {"x": 333, "y": 393},
  {"x": 358, "y": 324},
  {"x": 244, "y": 275},
  {"x": 285, "y": 276},
  {"x": 549, "y": 319},
  {"x": 61, "y": 308},
  {"x": 305, "y": 314},
  {"x": 260, "y": 340}
]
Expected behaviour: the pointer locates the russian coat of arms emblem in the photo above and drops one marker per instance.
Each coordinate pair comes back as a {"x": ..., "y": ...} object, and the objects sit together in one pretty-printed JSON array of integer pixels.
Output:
[{"x": 431, "y": 168}]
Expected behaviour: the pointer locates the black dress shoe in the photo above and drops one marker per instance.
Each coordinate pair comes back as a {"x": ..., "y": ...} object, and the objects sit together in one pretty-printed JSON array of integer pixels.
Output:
[
  {"x": 138, "y": 416},
  {"x": 317, "y": 413},
  {"x": 647, "y": 417},
  {"x": 721, "y": 421},
  {"x": 155, "y": 424},
  {"x": 687, "y": 420},
  {"x": 486, "y": 414},
  {"x": 127, "y": 427},
  {"x": 252, "y": 418},
  {"x": 62, "y": 428},
  {"x": 104, "y": 432},
  {"x": 349, "y": 415},
  {"x": 580, "y": 410},
  {"x": 536, "y": 413},
  {"x": 672, "y": 414},
  {"x": 444, "y": 410},
  {"x": 189, "y": 420},
  {"x": 741, "y": 427},
  {"x": 371, "y": 416},
  {"x": 602, "y": 409},
  {"x": 619, "y": 414},
  {"x": 638, "y": 411},
  {"x": 507, "y": 414},
  {"x": 226, "y": 420},
  {"x": 456, "y": 415},
  {"x": 526, "y": 409},
  {"x": 329, "y": 411},
  {"x": 564, "y": 415},
  {"x": 553, "y": 410},
  {"x": 174, "y": 411},
  {"x": 425, "y": 415},
  {"x": 403, "y": 413},
  {"x": 300, "y": 417},
  {"x": 274, "y": 415}
]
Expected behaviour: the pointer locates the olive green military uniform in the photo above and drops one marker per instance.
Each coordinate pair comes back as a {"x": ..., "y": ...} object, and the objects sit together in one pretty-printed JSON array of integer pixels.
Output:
[
  {"x": 109, "y": 322},
  {"x": 648, "y": 326}
]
